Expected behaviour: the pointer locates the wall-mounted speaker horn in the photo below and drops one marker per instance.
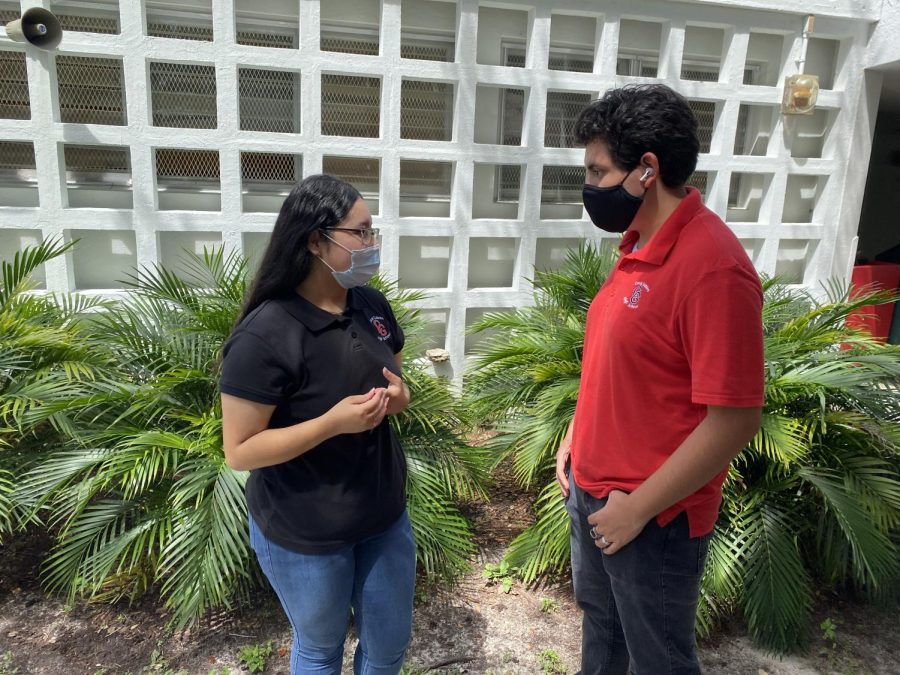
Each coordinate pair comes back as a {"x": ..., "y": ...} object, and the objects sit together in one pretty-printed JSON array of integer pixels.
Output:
[{"x": 37, "y": 26}]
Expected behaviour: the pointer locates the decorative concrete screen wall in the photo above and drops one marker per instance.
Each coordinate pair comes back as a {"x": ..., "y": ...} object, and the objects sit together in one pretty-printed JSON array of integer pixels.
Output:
[{"x": 157, "y": 126}]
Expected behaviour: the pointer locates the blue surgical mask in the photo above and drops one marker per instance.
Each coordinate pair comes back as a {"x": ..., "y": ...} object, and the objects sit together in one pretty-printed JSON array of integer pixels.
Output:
[{"x": 364, "y": 263}]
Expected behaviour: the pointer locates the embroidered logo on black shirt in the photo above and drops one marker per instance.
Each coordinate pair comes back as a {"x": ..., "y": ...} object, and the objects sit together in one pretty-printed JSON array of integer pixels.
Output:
[{"x": 380, "y": 327}]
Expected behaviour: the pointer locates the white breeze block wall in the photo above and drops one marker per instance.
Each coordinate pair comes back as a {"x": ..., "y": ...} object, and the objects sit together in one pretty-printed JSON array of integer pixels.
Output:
[{"x": 157, "y": 126}]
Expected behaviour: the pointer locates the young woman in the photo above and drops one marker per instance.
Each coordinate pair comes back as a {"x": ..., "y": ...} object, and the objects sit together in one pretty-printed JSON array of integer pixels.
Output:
[{"x": 309, "y": 376}]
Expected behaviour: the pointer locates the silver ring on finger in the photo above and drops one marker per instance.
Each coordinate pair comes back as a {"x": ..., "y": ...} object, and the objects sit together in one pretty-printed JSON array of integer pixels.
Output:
[
  {"x": 594, "y": 534},
  {"x": 604, "y": 541}
]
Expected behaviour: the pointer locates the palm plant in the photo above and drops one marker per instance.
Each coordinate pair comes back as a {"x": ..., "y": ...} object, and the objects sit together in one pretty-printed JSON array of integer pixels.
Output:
[
  {"x": 525, "y": 383},
  {"x": 42, "y": 353},
  {"x": 816, "y": 495},
  {"x": 141, "y": 495},
  {"x": 442, "y": 468}
]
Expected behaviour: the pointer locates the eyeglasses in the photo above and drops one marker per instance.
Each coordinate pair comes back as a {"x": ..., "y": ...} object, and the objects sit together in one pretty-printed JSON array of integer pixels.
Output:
[{"x": 367, "y": 236}]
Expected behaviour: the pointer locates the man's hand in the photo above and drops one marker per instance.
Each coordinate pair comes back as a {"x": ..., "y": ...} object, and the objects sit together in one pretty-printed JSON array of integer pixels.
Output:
[
  {"x": 616, "y": 524},
  {"x": 562, "y": 458}
]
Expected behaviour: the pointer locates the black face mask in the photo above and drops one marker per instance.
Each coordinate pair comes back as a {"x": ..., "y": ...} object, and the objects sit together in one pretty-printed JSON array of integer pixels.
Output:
[{"x": 611, "y": 208}]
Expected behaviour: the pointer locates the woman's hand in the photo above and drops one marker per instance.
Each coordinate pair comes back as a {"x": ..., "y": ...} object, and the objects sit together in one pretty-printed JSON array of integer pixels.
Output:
[
  {"x": 397, "y": 392},
  {"x": 356, "y": 414}
]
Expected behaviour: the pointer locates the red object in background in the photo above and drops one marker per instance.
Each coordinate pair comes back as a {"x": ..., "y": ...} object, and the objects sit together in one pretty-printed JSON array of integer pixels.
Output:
[{"x": 876, "y": 319}]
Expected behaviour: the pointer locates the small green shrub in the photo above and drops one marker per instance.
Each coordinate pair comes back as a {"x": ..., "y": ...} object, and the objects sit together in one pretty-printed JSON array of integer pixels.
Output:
[{"x": 255, "y": 658}]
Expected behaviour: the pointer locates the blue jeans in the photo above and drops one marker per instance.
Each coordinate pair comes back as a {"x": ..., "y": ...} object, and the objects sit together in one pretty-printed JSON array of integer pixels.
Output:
[
  {"x": 640, "y": 604},
  {"x": 376, "y": 577}
]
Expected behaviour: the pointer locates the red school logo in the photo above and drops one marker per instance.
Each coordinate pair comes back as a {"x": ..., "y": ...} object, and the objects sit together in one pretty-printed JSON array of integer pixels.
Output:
[
  {"x": 639, "y": 289},
  {"x": 380, "y": 328}
]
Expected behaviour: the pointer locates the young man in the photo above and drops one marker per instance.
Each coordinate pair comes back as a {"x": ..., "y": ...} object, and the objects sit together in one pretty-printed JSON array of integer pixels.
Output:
[{"x": 671, "y": 387}]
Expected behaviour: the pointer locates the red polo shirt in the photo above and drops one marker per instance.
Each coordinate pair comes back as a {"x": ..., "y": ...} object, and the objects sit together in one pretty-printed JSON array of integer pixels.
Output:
[{"x": 676, "y": 327}]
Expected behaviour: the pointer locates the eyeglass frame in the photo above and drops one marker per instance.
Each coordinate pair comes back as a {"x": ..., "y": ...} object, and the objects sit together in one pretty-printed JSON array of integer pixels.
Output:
[{"x": 367, "y": 240}]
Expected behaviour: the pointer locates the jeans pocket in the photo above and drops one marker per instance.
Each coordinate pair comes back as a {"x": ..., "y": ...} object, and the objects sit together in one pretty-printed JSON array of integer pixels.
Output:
[{"x": 685, "y": 555}]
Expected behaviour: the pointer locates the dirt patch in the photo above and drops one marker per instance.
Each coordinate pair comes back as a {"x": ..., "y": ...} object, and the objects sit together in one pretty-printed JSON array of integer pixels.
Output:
[{"x": 477, "y": 628}]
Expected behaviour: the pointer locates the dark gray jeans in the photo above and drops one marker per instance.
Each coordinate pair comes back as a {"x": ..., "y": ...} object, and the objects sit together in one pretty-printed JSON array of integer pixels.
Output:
[{"x": 641, "y": 603}]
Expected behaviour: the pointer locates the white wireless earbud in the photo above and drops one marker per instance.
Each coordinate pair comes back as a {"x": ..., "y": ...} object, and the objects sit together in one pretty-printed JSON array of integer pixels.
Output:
[{"x": 647, "y": 173}]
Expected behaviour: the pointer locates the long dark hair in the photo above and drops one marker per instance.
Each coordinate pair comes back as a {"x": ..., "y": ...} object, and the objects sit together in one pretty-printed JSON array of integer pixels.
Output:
[{"x": 317, "y": 202}]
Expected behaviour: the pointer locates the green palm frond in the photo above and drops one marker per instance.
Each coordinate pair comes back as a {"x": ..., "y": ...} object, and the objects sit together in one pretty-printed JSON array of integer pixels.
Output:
[
  {"x": 7, "y": 505},
  {"x": 543, "y": 548},
  {"x": 14, "y": 276},
  {"x": 137, "y": 490},
  {"x": 815, "y": 492},
  {"x": 777, "y": 593},
  {"x": 206, "y": 560}
]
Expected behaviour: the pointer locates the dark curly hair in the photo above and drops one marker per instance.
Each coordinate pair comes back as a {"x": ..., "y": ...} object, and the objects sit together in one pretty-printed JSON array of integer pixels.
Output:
[{"x": 643, "y": 118}]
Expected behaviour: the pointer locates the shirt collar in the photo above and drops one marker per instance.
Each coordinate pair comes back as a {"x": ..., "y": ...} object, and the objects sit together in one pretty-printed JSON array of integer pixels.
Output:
[
  {"x": 657, "y": 249},
  {"x": 315, "y": 318}
]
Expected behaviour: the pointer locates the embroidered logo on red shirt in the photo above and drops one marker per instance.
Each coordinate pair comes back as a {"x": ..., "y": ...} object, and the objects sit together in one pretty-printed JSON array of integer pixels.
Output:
[
  {"x": 380, "y": 328},
  {"x": 639, "y": 289}
]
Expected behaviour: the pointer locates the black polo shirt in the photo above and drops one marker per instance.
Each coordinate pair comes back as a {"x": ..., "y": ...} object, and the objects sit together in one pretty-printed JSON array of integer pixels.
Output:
[{"x": 303, "y": 360}]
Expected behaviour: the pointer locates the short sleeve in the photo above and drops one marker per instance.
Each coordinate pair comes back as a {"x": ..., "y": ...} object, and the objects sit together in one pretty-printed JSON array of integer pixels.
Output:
[
  {"x": 251, "y": 370},
  {"x": 720, "y": 323},
  {"x": 398, "y": 338}
]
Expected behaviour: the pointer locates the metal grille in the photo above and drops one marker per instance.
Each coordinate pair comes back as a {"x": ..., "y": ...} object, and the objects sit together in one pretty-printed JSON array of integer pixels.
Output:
[
  {"x": 14, "y": 101},
  {"x": 426, "y": 110},
  {"x": 9, "y": 11},
  {"x": 193, "y": 24},
  {"x": 16, "y": 155},
  {"x": 563, "y": 108},
  {"x": 514, "y": 57},
  {"x": 562, "y": 184},
  {"x": 269, "y": 100},
  {"x": 426, "y": 180},
  {"x": 351, "y": 106},
  {"x": 270, "y": 169},
  {"x": 102, "y": 16},
  {"x": 90, "y": 90},
  {"x": 576, "y": 62},
  {"x": 349, "y": 44},
  {"x": 261, "y": 38},
  {"x": 184, "y": 95},
  {"x": 699, "y": 180},
  {"x": 180, "y": 31},
  {"x": 427, "y": 52},
  {"x": 17, "y": 165},
  {"x": 743, "y": 144},
  {"x": 94, "y": 164},
  {"x": 363, "y": 173},
  {"x": 509, "y": 177},
  {"x": 512, "y": 107},
  {"x": 705, "y": 112},
  {"x": 89, "y": 24},
  {"x": 173, "y": 166},
  {"x": 636, "y": 66},
  {"x": 699, "y": 73}
]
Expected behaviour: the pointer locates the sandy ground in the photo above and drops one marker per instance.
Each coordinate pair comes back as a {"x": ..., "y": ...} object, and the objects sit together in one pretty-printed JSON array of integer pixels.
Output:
[{"x": 476, "y": 628}]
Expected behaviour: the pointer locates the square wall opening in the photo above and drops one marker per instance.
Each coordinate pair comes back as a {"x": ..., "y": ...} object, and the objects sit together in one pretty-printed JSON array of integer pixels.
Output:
[
  {"x": 102, "y": 259},
  {"x": 496, "y": 191},
  {"x": 492, "y": 262},
  {"x": 425, "y": 262},
  {"x": 499, "y": 112},
  {"x": 561, "y": 192},
  {"x": 425, "y": 188}
]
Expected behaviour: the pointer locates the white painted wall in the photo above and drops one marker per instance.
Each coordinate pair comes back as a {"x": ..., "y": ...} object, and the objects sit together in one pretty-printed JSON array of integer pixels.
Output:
[{"x": 473, "y": 254}]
